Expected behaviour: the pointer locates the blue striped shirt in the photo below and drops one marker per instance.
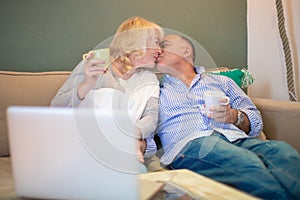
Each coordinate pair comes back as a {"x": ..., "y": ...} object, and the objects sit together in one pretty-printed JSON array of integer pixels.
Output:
[{"x": 182, "y": 115}]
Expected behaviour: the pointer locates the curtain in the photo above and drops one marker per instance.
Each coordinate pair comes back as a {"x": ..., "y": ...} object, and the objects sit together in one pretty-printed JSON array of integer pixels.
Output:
[{"x": 266, "y": 58}]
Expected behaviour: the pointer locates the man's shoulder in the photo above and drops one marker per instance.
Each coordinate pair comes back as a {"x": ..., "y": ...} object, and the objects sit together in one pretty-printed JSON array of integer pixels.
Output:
[{"x": 216, "y": 77}]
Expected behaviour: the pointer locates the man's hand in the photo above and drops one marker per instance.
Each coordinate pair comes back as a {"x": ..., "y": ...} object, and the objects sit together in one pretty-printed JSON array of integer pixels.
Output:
[{"x": 225, "y": 114}]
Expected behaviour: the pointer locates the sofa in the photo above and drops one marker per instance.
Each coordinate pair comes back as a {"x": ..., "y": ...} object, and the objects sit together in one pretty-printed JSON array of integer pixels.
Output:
[{"x": 281, "y": 118}]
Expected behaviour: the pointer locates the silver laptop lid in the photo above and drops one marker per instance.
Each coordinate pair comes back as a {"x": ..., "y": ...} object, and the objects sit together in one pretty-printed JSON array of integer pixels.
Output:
[{"x": 64, "y": 153}]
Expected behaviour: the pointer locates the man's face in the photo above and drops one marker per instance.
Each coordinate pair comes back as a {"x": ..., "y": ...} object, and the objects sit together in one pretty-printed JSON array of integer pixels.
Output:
[{"x": 172, "y": 53}]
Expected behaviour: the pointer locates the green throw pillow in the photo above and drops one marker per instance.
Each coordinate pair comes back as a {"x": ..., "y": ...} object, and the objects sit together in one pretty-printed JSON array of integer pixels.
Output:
[{"x": 242, "y": 77}]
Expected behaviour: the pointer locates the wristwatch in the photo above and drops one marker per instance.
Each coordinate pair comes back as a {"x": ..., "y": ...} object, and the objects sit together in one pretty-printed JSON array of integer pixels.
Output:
[{"x": 240, "y": 118}]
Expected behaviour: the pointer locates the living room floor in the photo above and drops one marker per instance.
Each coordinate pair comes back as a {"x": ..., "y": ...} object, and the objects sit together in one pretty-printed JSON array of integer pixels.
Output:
[{"x": 6, "y": 180}]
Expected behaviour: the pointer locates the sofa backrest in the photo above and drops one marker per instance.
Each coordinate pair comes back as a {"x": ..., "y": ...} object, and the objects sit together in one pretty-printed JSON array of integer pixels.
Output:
[
  {"x": 281, "y": 118},
  {"x": 26, "y": 89}
]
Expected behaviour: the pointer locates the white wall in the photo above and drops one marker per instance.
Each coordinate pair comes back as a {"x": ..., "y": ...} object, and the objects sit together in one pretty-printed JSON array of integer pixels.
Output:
[{"x": 265, "y": 53}]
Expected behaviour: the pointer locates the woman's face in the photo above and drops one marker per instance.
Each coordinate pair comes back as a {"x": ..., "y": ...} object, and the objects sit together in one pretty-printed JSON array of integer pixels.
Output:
[
  {"x": 152, "y": 52},
  {"x": 146, "y": 58}
]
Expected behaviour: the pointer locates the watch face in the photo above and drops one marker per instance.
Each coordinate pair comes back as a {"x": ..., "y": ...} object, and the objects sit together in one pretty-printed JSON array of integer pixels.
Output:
[{"x": 240, "y": 118}]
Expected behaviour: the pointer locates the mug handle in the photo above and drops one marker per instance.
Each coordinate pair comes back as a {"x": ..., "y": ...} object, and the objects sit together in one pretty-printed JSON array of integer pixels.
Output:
[
  {"x": 227, "y": 101},
  {"x": 85, "y": 55}
]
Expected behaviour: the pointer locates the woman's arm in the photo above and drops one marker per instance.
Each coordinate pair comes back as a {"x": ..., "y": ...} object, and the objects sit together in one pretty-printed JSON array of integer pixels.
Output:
[
  {"x": 83, "y": 79},
  {"x": 67, "y": 94},
  {"x": 148, "y": 122}
]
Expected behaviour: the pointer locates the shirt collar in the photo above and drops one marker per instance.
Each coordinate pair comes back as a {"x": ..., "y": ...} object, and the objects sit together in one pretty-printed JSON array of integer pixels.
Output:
[{"x": 198, "y": 69}]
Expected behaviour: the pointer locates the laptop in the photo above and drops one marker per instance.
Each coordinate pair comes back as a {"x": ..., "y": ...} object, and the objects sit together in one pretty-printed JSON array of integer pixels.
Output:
[{"x": 68, "y": 153}]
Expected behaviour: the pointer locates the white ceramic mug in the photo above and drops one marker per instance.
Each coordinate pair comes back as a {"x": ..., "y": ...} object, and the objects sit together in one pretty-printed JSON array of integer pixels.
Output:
[
  {"x": 102, "y": 54},
  {"x": 212, "y": 98}
]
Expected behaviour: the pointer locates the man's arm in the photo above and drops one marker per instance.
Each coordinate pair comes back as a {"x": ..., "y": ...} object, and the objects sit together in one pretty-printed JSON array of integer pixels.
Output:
[{"x": 241, "y": 111}]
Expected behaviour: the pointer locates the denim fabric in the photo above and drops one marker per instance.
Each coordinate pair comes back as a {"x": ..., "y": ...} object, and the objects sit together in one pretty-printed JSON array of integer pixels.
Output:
[{"x": 266, "y": 169}]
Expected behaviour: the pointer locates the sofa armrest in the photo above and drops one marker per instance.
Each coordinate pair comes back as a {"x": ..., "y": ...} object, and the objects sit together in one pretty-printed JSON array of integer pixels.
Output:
[
  {"x": 281, "y": 120},
  {"x": 26, "y": 89}
]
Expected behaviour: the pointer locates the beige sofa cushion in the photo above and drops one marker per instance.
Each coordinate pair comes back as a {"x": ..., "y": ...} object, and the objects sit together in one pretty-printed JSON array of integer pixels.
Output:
[
  {"x": 37, "y": 91},
  {"x": 281, "y": 120}
]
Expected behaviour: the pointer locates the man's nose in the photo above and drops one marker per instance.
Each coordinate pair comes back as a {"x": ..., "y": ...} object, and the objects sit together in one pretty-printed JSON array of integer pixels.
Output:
[{"x": 159, "y": 51}]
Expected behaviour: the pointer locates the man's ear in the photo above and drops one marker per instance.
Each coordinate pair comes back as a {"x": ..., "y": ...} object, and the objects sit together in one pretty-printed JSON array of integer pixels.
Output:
[{"x": 187, "y": 52}]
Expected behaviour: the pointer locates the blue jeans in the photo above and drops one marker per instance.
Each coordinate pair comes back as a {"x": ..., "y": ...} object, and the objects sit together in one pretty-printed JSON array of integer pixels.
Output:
[{"x": 266, "y": 169}]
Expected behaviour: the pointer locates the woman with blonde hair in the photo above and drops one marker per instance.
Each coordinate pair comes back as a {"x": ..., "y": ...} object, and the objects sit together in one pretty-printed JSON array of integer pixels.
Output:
[{"x": 133, "y": 50}]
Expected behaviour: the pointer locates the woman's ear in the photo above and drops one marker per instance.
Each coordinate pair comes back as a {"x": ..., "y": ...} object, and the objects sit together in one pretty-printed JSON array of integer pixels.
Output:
[
  {"x": 133, "y": 56},
  {"x": 137, "y": 55}
]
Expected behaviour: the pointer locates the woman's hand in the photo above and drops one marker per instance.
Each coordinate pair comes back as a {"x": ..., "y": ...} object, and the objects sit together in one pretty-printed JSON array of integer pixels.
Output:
[
  {"x": 141, "y": 148},
  {"x": 92, "y": 71}
]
